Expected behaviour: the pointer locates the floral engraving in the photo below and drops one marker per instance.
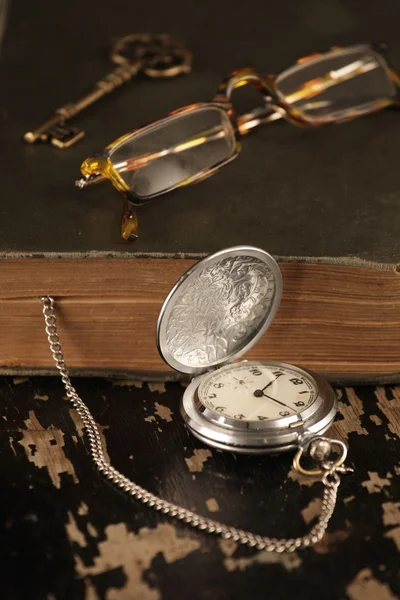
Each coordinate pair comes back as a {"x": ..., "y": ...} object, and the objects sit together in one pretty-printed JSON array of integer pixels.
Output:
[{"x": 218, "y": 312}]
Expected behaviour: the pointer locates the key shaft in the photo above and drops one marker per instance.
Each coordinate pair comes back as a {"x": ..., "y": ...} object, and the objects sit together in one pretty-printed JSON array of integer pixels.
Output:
[
  {"x": 67, "y": 136},
  {"x": 154, "y": 55}
]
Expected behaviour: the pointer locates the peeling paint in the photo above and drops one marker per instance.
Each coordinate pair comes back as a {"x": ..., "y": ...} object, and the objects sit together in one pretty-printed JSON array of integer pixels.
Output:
[
  {"x": 19, "y": 380},
  {"x": 80, "y": 430},
  {"x": 47, "y": 454},
  {"x": 391, "y": 513},
  {"x": 150, "y": 419},
  {"x": 352, "y": 414},
  {"x": 348, "y": 499},
  {"x": 126, "y": 383},
  {"x": 90, "y": 590},
  {"x": 301, "y": 479},
  {"x": 375, "y": 419},
  {"x": 134, "y": 553},
  {"x": 103, "y": 440},
  {"x": 77, "y": 421},
  {"x": 163, "y": 412},
  {"x": 228, "y": 547},
  {"x": 390, "y": 407},
  {"x": 11, "y": 441},
  {"x": 365, "y": 587},
  {"x": 212, "y": 505},
  {"x": 312, "y": 510},
  {"x": 394, "y": 534},
  {"x": 330, "y": 541},
  {"x": 74, "y": 534},
  {"x": 375, "y": 483},
  {"x": 289, "y": 561},
  {"x": 92, "y": 530},
  {"x": 157, "y": 387},
  {"x": 83, "y": 509},
  {"x": 195, "y": 463}
]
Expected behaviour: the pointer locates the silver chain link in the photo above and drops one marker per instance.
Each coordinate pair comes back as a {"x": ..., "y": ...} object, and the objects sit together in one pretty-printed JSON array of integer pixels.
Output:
[{"x": 330, "y": 478}]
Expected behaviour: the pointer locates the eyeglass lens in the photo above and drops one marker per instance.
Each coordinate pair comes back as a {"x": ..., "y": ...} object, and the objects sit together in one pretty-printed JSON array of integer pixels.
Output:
[
  {"x": 174, "y": 150},
  {"x": 337, "y": 82}
]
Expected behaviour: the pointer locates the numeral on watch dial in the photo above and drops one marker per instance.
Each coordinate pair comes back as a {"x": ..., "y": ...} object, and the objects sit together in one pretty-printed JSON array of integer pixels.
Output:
[{"x": 257, "y": 392}]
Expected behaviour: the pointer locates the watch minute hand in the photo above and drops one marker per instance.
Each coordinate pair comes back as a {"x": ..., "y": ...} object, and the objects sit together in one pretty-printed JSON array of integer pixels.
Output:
[{"x": 279, "y": 402}]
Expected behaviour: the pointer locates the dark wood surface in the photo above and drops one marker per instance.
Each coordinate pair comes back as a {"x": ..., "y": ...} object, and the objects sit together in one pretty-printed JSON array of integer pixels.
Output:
[{"x": 67, "y": 534}]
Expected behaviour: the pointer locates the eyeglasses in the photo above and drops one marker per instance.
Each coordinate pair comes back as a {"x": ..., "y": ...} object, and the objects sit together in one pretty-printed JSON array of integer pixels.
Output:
[{"x": 194, "y": 142}]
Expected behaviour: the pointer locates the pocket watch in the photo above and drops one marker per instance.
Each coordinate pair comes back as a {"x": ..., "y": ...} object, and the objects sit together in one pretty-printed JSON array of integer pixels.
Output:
[
  {"x": 216, "y": 312},
  {"x": 211, "y": 317}
]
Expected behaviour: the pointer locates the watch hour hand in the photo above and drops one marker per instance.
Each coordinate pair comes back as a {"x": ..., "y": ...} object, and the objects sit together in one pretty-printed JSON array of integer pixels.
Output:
[{"x": 266, "y": 386}]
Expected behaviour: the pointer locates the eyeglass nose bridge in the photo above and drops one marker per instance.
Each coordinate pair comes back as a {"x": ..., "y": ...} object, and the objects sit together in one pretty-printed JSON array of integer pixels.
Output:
[
  {"x": 243, "y": 77},
  {"x": 271, "y": 111}
]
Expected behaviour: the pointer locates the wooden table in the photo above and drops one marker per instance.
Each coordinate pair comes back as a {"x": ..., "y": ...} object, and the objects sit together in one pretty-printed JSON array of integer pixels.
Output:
[{"x": 67, "y": 534}]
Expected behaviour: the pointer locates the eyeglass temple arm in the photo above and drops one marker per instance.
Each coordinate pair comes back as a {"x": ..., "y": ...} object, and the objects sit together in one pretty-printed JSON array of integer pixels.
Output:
[
  {"x": 261, "y": 115},
  {"x": 269, "y": 113},
  {"x": 89, "y": 180}
]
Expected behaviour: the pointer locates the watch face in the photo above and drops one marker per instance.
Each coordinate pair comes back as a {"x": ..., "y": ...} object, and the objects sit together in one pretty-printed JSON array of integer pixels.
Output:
[{"x": 254, "y": 391}]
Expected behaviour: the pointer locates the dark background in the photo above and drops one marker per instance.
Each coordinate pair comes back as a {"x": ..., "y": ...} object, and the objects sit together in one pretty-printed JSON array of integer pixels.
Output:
[{"x": 330, "y": 192}]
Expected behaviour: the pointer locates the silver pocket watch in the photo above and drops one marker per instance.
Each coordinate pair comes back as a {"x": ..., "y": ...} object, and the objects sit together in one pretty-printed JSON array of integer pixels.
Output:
[{"x": 212, "y": 316}]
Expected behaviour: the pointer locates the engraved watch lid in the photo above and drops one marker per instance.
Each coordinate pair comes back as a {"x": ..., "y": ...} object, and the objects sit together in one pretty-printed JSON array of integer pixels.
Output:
[{"x": 219, "y": 309}]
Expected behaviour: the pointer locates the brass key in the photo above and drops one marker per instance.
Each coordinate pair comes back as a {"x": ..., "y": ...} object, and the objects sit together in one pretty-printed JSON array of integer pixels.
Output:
[{"x": 151, "y": 55}]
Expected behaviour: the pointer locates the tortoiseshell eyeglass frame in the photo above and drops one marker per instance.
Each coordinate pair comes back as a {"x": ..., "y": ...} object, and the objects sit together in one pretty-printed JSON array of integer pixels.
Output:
[{"x": 100, "y": 166}]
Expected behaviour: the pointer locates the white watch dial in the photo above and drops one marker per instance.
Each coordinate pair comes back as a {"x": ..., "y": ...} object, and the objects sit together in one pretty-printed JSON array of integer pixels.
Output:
[{"x": 252, "y": 391}]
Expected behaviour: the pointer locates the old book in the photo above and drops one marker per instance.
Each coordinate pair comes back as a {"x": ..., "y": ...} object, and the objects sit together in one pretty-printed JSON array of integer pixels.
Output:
[
  {"x": 324, "y": 202},
  {"x": 341, "y": 320}
]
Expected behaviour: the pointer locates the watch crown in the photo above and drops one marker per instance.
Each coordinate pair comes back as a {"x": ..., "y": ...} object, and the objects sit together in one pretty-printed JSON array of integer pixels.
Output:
[{"x": 320, "y": 449}]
